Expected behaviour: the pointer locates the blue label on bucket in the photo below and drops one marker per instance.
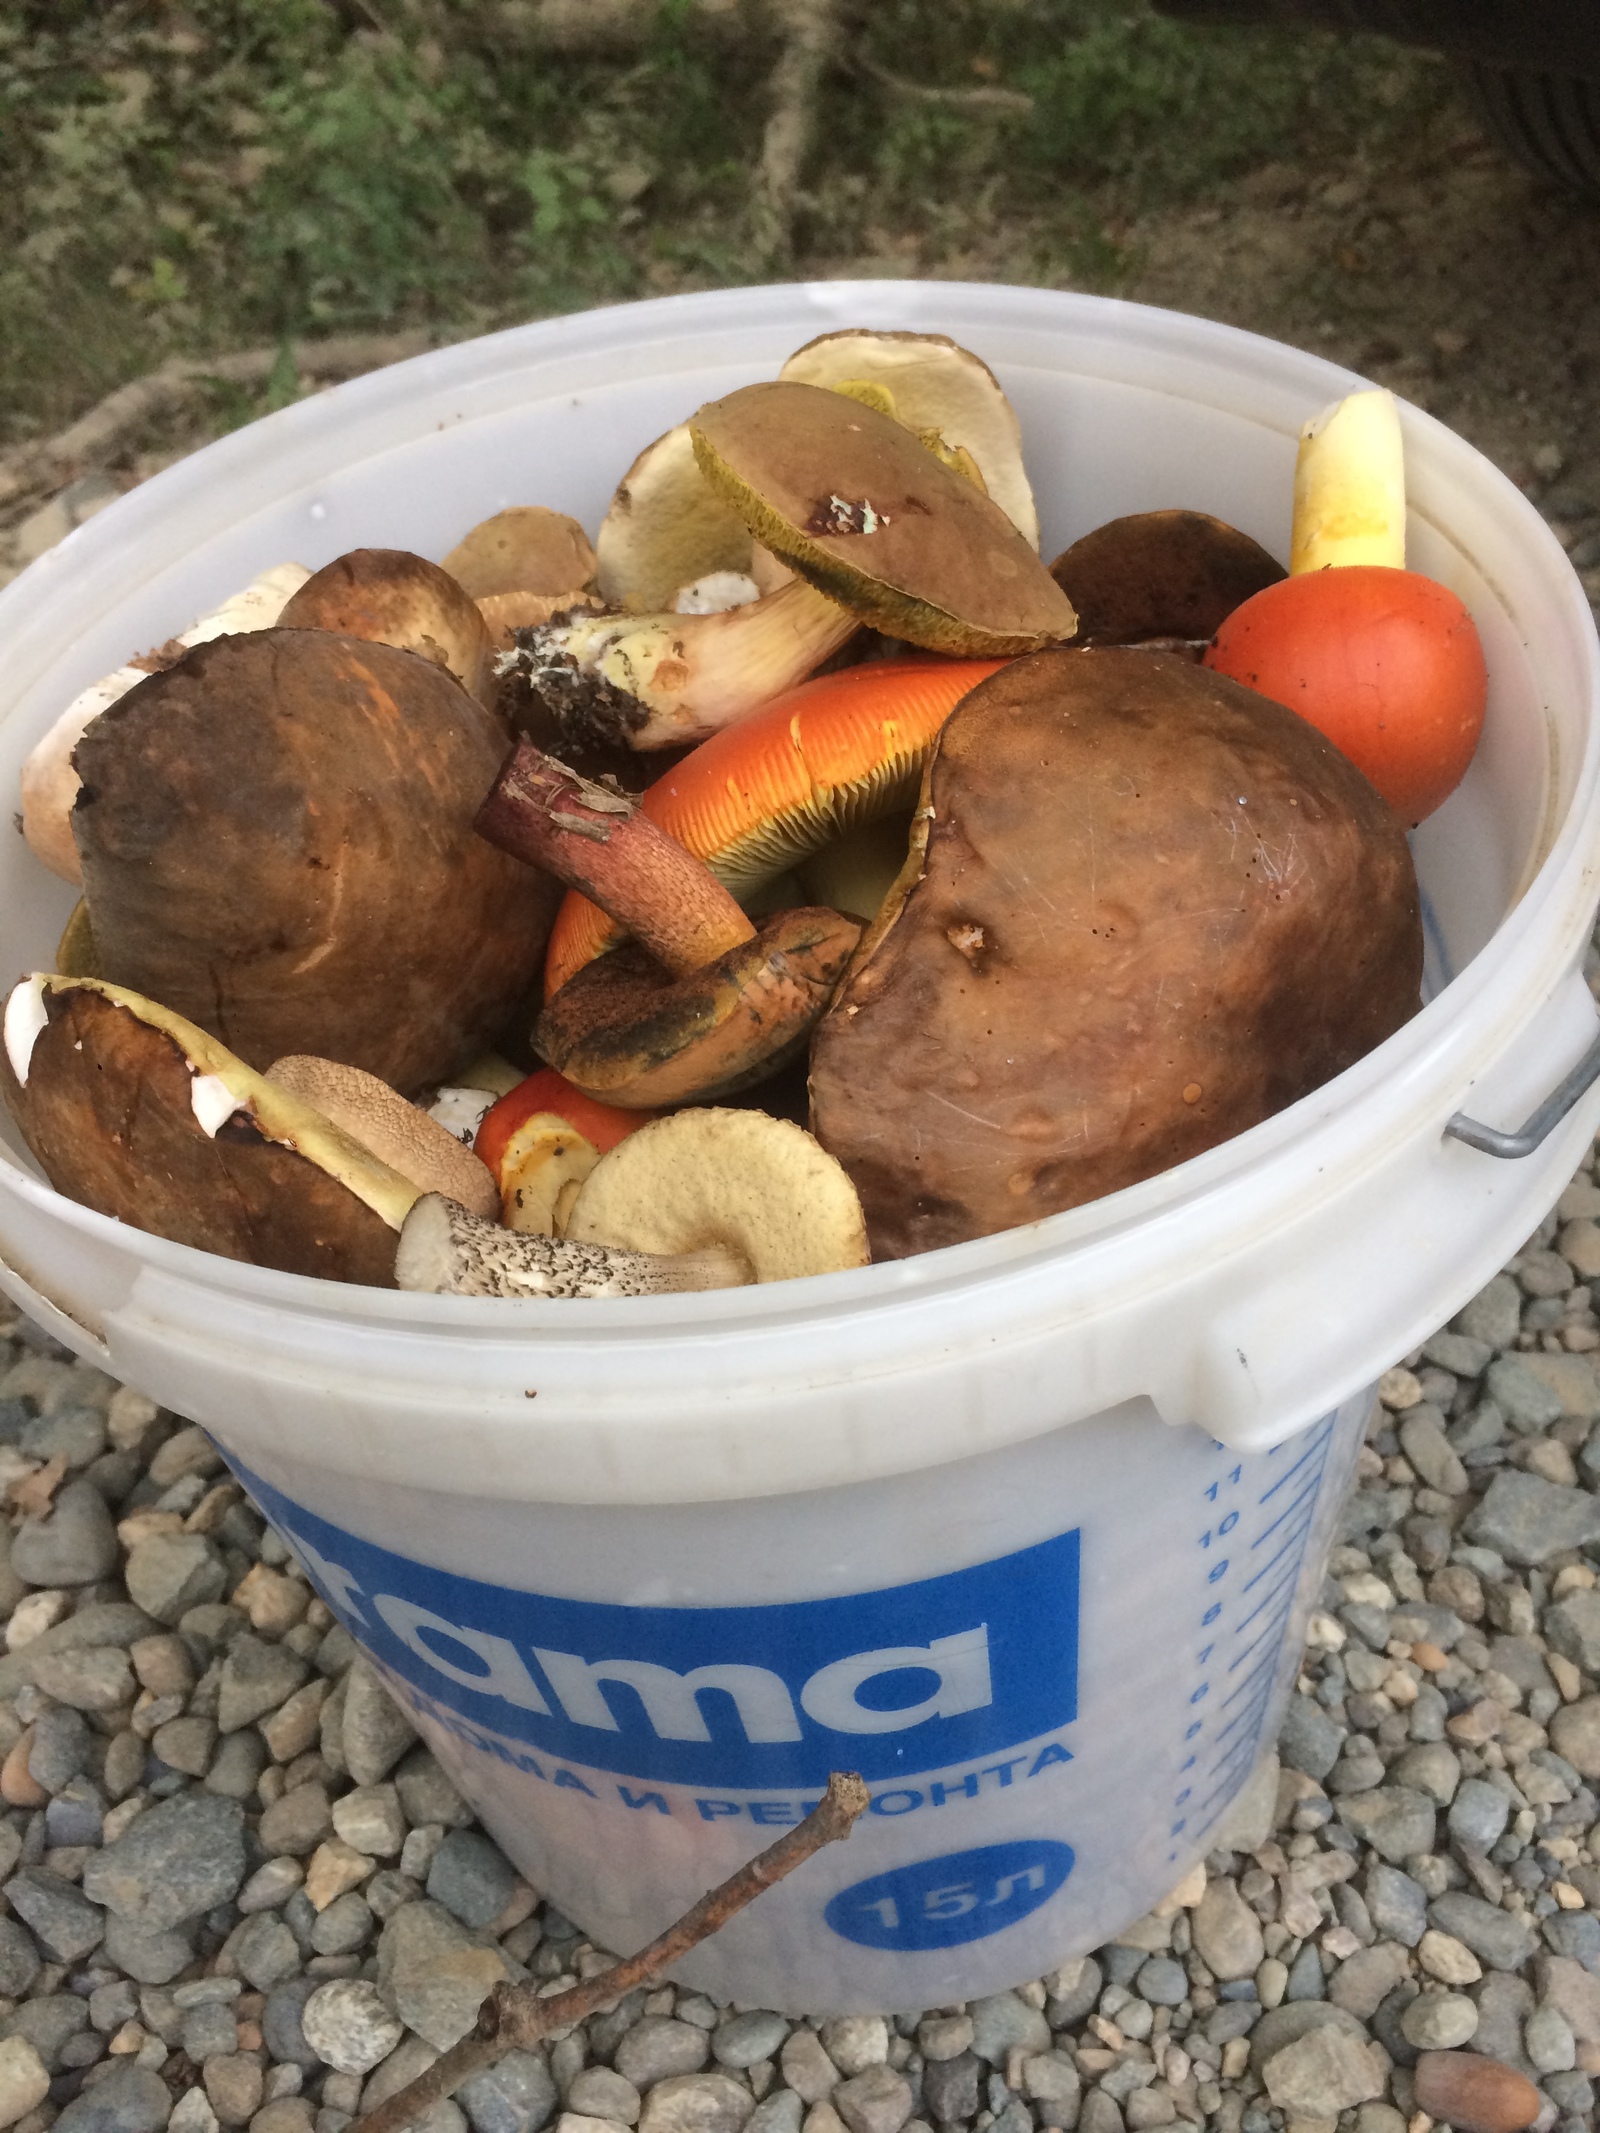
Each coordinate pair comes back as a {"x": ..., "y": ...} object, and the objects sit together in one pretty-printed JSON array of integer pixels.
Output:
[
  {"x": 912, "y": 1678},
  {"x": 945, "y": 1902}
]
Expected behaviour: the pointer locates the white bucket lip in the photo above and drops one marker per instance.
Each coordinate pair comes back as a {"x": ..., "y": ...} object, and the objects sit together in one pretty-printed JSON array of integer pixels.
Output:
[{"x": 1430, "y": 1052}]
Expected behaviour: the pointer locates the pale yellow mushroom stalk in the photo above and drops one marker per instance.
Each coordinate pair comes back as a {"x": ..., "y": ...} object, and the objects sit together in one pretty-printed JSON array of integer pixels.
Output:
[
  {"x": 1350, "y": 487},
  {"x": 49, "y": 782},
  {"x": 444, "y": 1251},
  {"x": 669, "y": 680}
]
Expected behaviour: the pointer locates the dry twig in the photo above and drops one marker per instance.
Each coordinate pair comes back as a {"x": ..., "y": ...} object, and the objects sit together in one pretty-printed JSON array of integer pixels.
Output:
[
  {"x": 515, "y": 2018},
  {"x": 97, "y": 436},
  {"x": 811, "y": 32},
  {"x": 1011, "y": 102}
]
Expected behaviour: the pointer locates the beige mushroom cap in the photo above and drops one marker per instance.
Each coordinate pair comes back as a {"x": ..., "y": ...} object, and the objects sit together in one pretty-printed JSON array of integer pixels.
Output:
[
  {"x": 757, "y": 1185},
  {"x": 397, "y": 1132}
]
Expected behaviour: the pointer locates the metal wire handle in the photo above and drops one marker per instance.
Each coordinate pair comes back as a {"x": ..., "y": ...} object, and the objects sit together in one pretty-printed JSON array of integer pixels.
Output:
[{"x": 1539, "y": 1124}]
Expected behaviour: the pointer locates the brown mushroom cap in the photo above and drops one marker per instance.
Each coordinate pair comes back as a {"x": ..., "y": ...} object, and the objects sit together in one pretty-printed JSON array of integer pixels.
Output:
[
  {"x": 524, "y": 549},
  {"x": 1150, "y": 910},
  {"x": 1168, "y": 575},
  {"x": 277, "y": 842},
  {"x": 398, "y": 1134},
  {"x": 390, "y": 596},
  {"x": 856, "y": 504},
  {"x": 625, "y": 1031},
  {"x": 127, "y": 1109}
]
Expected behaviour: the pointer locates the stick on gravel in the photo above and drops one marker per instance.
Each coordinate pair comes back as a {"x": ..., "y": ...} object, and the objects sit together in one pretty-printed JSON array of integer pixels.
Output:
[{"x": 515, "y": 2018}]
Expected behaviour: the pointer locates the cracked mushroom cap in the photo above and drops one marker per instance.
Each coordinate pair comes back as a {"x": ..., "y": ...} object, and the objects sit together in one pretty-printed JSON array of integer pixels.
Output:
[
  {"x": 140, "y": 1115},
  {"x": 754, "y": 1185},
  {"x": 934, "y": 384},
  {"x": 857, "y": 504}
]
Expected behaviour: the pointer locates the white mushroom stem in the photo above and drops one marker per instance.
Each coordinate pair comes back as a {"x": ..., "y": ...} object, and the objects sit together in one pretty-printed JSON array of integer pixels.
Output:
[{"x": 444, "y": 1251}]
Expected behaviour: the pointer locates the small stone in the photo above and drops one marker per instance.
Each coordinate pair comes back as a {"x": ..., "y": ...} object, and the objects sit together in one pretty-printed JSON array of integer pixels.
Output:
[
  {"x": 1394, "y": 1820},
  {"x": 333, "y": 1868},
  {"x": 1309, "y": 1740},
  {"x": 697, "y": 2103},
  {"x": 178, "y": 1859},
  {"x": 601, "y": 2092},
  {"x": 1479, "y": 1814},
  {"x": 298, "y": 1823},
  {"x": 236, "y": 1767},
  {"x": 348, "y": 2026},
  {"x": 1439, "y": 2021},
  {"x": 1575, "y": 1734},
  {"x": 471, "y": 1877},
  {"x": 65, "y": 1924},
  {"x": 19, "y": 1960},
  {"x": 282, "y": 2114},
  {"x": 185, "y": 1744},
  {"x": 210, "y": 2031},
  {"x": 1162, "y": 1982},
  {"x": 169, "y": 1573},
  {"x": 1527, "y": 1520},
  {"x": 660, "y": 2046},
  {"x": 779, "y": 2111},
  {"x": 152, "y": 1956},
  {"x": 1474, "y": 2094},
  {"x": 877, "y": 2101},
  {"x": 234, "y": 2085},
  {"x": 131, "y": 2099},
  {"x": 1432, "y": 1767},
  {"x": 376, "y": 1731},
  {"x": 940, "y": 2036},
  {"x": 371, "y": 1820},
  {"x": 297, "y": 1724},
  {"x": 344, "y": 1926},
  {"x": 265, "y": 1952},
  {"x": 24, "y": 2080},
  {"x": 950, "y": 2087},
  {"x": 1227, "y": 1933},
  {"x": 32, "y": 1616},
  {"x": 1567, "y": 1985},
  {"x": 1324, "y": 2072},
  {"x": 1548, "y": 2041},
  {"x": 806, "y": 2066},
  {"x": 1572, "y": 1628},
  {"x": 1494, "y": 1316},
  {"x": 98, "y": 1679},
  {"x": 74, "y": 1545},
  {"x": 427, "y": 1795},
  {"x": 745, "y": 2039},
  {"x": 1496, "y": 1937},
  {"x": 256, "y": 1678},
  {"x": 856, "y": 2042},
  {"x": 434, "y": 1973},
  {"x": 1364, "y": 1981},
  {"x": 1425, "y": 1444},
  {"x": 517, "y": 2095}
]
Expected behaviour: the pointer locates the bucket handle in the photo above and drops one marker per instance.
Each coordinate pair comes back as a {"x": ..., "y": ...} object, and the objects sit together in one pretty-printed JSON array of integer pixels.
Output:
[{"x": 1491, "y": 1141}]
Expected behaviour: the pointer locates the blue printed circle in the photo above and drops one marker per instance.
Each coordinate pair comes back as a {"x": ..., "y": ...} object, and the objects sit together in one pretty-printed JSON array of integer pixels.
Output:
[{"x": 944, "y": 1902}]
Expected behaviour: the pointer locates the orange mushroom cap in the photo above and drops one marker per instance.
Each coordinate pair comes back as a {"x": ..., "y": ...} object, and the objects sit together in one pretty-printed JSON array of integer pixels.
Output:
[{"x": 759, "y": 796}]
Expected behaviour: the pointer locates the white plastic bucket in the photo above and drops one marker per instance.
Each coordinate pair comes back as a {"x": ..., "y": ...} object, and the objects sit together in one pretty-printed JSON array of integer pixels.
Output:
[{"x": 646, "y": 1570}]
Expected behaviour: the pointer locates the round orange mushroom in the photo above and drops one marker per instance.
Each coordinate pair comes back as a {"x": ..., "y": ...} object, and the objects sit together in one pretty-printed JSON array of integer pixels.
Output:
[{"x": 758, "y": 797}]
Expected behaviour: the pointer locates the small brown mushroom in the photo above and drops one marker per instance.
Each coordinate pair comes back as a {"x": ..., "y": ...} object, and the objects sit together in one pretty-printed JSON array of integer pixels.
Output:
[
  {"x": 861, "y": 508},
  {"x": 524, "y": 549},
  {"x": 389, "y": 596},
  {"x": 730, "y": 1004},
  {"x": 1164, "y": 579},
  {"x": 397, "y": 1132},
  {"x": 444, "y": 1251},
  {"x": 138, "y": 1114}
]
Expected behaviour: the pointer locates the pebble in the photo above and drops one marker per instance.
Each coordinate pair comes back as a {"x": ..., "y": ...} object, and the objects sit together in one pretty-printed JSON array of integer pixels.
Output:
[
  {"x": 170, "y": 1573},
  {"x": 471, "y": 1877},
  {"x": 516, "y": 2096},
  {"x": 855, "y": 2042},
  {"x": 698, "y": 2103},
  {"x": 1439, "y": 2021},
  {"x": 659, "y": 2046},
  {"x": 1474, "y": 2094},
  {"x": 1322, "y": 2073},
  {"x": 1397, "y": 1822},
  {"x": 24, "y": 2080},
  {"x": 370, "y": 1819},
  {"x": 1227, "y": 1932},
  {"x": 75, "y": 1545},
  {"x": 434, "y": 1973},
  {"x": 1496, "y": 1937},
  {"x": 376, "y": 1732},
  {"x": 131, "y": 2099},
  {"x": 177, "y": 1860},
  {"x": 1479, "y": 1814},
  {"x": 749, "y": 2038},
  {"x": 349, "y": 2026},
  {"x": 1527, "y": 1519}
]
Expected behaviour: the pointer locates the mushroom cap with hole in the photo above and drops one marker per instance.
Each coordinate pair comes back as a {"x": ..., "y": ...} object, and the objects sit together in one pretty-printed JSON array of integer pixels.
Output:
[
  {"x": 1141, "y": 914},
  {"x": 1161, "y": 574},
  {"x": 860, "y": 507},
  {"x": 277, "y": 841},
  {"x": 935, "y": 384},
  {"x": 397, "y": 1133},
  {"x": 138, "y": 1114},
  {"x": 525, "y": 548},
  {"x": 754, "y": 801},
  {"x": 628, "y": 1033},
  {"x": 389, "y": 596},
  {"x": 756, "y": 1185}
]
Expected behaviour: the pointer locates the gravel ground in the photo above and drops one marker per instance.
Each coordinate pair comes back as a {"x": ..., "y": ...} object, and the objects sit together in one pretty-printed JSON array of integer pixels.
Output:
[{"x": 238, "y": 1891}]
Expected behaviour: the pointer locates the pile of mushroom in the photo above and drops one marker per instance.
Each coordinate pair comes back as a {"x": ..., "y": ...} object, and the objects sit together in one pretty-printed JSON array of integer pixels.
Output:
[{"x": 472, "y": 926}]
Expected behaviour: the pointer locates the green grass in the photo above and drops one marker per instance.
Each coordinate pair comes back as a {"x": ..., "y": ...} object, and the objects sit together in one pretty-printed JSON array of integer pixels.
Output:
[{"x": 191, "y": 179}]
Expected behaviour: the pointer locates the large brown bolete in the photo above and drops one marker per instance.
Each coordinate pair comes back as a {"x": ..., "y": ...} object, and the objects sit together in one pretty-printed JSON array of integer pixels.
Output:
[
  {"x": 1161, "y": 578},
  {"x": 277, "y": 842},
  {"x": 1150, "y": 908},
  {"x": 134, "y": 1112},
  {"x": 858, "y": 505}
]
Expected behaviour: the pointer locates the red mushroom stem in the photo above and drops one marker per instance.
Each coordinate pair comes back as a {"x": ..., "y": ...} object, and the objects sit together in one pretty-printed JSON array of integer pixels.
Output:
[{"x": 594, "y": 838}]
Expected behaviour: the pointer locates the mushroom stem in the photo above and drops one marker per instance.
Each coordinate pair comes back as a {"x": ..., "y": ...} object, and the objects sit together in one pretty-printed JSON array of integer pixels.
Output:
[
  {"x": 444, "y": 1251},
  {"x": 593, "y": 837}
]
